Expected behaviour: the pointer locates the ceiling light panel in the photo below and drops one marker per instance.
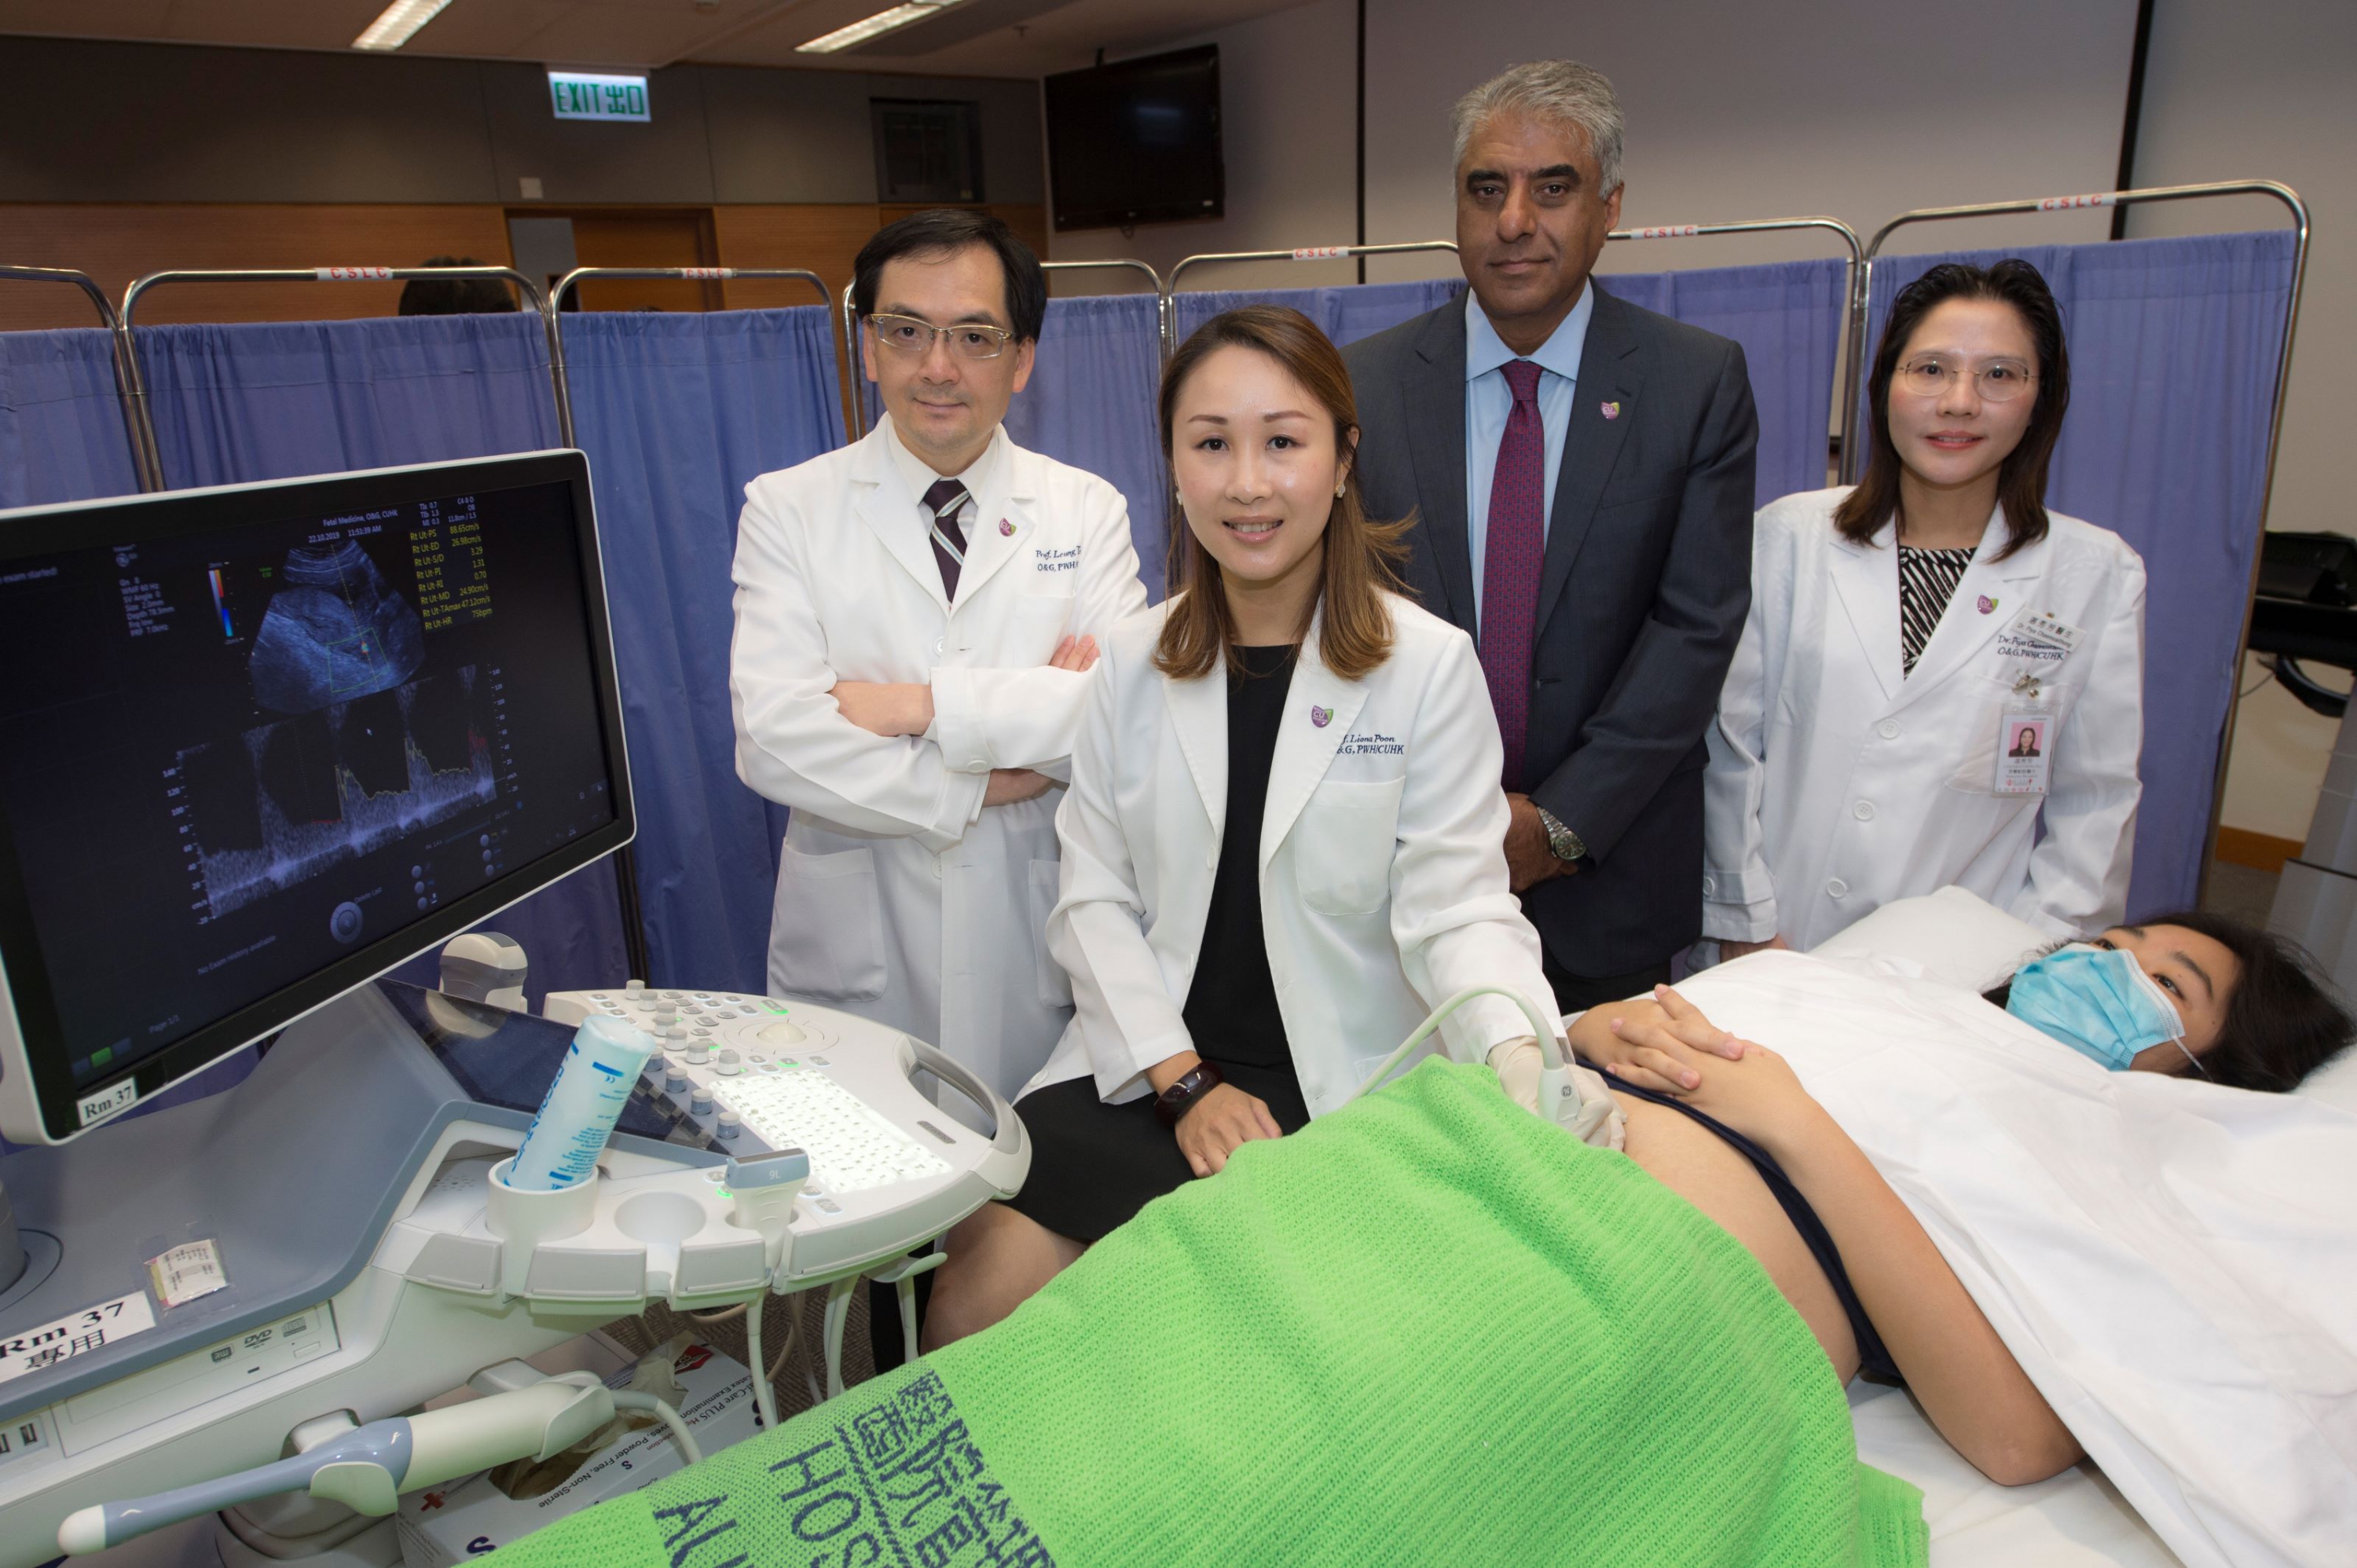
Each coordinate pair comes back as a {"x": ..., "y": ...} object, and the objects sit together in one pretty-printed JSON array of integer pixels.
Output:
[
  {"x": 876, "y": 25},
  {"x": 399, "y": 24}
]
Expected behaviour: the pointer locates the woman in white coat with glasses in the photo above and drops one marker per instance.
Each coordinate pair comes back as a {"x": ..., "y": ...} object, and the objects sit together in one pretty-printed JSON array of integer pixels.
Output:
[
  {"x": 1940, "y": 679},
  {"x": 1285, "y": 838}
]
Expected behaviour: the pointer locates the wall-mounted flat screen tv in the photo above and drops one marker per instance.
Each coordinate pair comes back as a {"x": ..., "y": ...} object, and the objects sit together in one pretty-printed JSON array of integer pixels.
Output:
[{"x": 1137, "y": 142}]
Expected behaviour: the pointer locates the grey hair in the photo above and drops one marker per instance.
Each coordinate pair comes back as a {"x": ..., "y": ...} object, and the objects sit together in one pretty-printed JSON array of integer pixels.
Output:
[{"x": 1563, "y": 92}]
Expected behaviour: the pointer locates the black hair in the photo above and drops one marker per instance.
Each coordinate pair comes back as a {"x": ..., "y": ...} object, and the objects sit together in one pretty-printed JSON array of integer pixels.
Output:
[
  {"x": 2282, "y": 1023},
  {"x": 940, "y": 229},
  {"x": 454, "y": 296},
  {"x": 2021, "y": 478}
]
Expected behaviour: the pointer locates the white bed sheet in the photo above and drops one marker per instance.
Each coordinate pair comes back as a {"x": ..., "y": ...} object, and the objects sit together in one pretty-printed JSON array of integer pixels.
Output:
[{"x": 2078, "y": 1519}]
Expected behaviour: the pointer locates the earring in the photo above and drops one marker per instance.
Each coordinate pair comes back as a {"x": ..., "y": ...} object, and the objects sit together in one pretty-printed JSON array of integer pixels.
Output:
[{"x": 1338, "y": 492}]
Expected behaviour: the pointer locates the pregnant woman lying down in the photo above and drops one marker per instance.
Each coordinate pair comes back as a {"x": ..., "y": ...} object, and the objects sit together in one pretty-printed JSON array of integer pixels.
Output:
[
  {"x": 1432, "y": 1327},
  {"x": 1728, "y": 1125}
]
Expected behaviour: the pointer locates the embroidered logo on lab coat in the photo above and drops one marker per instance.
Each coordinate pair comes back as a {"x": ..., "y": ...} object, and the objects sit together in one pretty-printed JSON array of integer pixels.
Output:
[
  {"x": 1005, "y": 528},
  {"x": 1988, "y": 606},
  {"x": 1610, "y": 410},
  {"x": 1321, "y": 718}
]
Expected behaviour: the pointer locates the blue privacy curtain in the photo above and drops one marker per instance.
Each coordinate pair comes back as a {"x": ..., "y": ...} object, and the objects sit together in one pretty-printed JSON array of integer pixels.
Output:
[
  {"x": 2174, "y": 348},
  {"x": 677, "y": 412},
  {"x": 1090, "y": 403},
  {"x": 61, "y": 433},
  {"x": 234, "y": 403},
  {"x": 1346, "y": 312},
  {"x": 1789, "y": 318}
]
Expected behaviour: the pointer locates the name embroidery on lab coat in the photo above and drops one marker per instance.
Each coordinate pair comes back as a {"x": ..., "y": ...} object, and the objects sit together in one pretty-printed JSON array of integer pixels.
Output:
[
  {"x": 1375, "y": 744},
  {"x": 1056, "y": 560},
  {"x": 2040, "y": 637}
]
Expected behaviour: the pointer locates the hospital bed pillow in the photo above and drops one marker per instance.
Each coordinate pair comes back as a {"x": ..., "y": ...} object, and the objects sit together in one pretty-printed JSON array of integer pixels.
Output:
[
  {"x": 1961, "y": 940},
  {"x": 1951, "y": 936}
]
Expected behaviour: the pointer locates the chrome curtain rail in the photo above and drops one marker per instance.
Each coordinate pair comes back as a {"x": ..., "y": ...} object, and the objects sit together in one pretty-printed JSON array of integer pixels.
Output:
[
  {"x": 690, "y": 274},
  {"x": 143, "y": 466},
  {"x": 1853, "y": 285},
  {"x": 532, "y": 293}
]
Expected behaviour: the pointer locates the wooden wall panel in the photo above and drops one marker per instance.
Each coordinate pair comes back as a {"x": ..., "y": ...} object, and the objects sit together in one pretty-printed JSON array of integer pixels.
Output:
[
  {"x": 824, "y": 237},
  {"x": 643, "y": 237},
  {"x": 115, "y": 243}
]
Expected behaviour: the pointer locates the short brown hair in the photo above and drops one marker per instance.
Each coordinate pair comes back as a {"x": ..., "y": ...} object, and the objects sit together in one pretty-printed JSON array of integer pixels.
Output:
[{"x": 1362, "y": 556}]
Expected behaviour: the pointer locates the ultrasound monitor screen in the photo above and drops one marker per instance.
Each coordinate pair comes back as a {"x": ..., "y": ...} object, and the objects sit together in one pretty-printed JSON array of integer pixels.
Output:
[{"x": 265, "y": 742}]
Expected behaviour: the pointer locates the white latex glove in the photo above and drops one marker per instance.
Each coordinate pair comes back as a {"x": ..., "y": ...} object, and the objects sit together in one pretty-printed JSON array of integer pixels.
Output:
[{"x": 1518, "y": 1064}]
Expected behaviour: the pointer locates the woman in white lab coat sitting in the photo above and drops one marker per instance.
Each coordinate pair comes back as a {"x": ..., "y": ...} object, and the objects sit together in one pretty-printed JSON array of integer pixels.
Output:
[
  {"x": 1940, "y": 680},
  {"x": 1283, "y": 839}
]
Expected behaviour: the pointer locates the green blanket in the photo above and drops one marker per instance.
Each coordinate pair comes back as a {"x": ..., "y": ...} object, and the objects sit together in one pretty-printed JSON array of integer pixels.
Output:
[{"x": 1426, "y": 1329}]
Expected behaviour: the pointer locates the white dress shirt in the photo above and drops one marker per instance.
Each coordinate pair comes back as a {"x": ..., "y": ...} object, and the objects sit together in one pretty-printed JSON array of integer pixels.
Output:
[
  {"x": 1489, "y": 401},
  {"x": 982, "y": 476}
]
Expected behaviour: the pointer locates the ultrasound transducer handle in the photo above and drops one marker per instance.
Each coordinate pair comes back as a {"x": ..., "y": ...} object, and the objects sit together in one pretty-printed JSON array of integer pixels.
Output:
[{"x": 366, "y": 1468}]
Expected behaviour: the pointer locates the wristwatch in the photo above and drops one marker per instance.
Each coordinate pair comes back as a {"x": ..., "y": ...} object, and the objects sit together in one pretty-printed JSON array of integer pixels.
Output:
[{"x": 1568, "y": 845}]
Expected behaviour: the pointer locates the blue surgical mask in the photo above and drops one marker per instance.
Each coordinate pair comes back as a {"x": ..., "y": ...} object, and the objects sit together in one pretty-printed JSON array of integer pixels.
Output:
[{"x": 2097, "y": 1001}]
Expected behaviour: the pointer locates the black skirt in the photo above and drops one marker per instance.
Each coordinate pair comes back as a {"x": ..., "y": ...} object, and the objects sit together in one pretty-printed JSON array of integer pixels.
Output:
[{"x": 1093, "y": 1164}]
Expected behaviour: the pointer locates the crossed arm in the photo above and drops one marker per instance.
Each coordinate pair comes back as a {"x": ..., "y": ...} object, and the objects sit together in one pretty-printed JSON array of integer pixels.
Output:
[
  {"x": 906, "y": 708},
  {"x": 1970, "y": 1386}
]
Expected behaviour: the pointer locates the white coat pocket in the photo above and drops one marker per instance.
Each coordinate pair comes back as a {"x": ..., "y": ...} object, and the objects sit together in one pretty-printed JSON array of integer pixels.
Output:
[
  {"x": 826, "y": 927},
  {"x": 1346, "y": 836},
  {"x": 1055, "y": 985},
  {"x": 1038, "y": 624}
]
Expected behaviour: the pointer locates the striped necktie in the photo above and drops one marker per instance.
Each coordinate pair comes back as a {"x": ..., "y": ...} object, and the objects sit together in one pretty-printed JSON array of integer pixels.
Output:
[
  {"x": 944, "y": 500},
  {"x": 1513, "y": 557}
]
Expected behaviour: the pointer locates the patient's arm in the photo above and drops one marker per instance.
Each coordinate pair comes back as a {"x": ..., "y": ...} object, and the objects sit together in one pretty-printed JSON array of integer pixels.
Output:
[{"x": 1968, "y": 1382}]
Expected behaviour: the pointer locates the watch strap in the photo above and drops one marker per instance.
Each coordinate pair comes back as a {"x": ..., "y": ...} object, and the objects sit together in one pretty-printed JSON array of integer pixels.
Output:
[
  {"x": 1193, "y": 1085},
  {"x": 1564, "y": 843}
]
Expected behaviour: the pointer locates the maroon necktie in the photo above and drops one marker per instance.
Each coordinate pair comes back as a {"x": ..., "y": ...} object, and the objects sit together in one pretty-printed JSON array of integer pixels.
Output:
[
  {"x": 942, "y": 500},
  {"x": 1510, "y": 563}
]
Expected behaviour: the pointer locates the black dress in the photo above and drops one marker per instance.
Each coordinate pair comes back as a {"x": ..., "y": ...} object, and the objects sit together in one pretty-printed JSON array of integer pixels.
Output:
[{"x": 1093, "y": 1164}]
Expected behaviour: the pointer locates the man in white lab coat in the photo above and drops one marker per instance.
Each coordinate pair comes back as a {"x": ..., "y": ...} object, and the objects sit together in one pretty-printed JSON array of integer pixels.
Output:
[{"x": 915, "y": 616}]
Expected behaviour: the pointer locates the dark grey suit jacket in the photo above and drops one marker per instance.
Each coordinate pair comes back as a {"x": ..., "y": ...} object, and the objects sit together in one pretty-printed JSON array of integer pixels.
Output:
[{"x": 1646, "y": 583}]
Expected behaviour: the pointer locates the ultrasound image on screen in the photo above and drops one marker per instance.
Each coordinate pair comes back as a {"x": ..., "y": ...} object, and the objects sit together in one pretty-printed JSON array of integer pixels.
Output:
[
  {"x": 334, "y": 631},
  {"x": 235, "y": 757}
]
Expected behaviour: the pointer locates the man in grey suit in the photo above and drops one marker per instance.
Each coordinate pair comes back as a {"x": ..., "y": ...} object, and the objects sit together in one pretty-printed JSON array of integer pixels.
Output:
[{"x": 1581, "y": 473}]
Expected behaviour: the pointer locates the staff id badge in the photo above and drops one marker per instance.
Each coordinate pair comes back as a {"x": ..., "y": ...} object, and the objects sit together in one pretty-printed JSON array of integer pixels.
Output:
[{"x": 2025, "y": 743}]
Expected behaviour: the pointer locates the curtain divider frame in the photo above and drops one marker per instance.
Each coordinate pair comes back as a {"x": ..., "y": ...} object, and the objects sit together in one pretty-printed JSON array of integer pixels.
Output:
[
  {"x": 626, "y": 876},
  {"x": 1853, "y": 280},
  {"x": 1300, "y": 254},
  {"x": 1852, "y": 289},
  {"x": 687, "y": 274},
  {"x": 2299, "y": 212},
  {"x": 533, "y": 295},
  {"x": 144, "y": 466},
  {"x": 857, "y": 423}
]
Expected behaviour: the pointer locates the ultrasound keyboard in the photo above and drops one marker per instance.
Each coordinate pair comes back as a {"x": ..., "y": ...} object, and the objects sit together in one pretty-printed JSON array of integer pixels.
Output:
[{"x": 745, "y": 1075}]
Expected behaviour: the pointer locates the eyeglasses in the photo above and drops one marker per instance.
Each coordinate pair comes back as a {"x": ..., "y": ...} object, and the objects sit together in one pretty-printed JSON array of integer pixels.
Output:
[
  {"x": 1931, "y": 375},
  {"x": 968, "y": 339}
]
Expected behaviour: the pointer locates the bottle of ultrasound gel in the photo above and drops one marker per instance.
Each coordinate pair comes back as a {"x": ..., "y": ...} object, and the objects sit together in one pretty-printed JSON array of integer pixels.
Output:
[{"x": 600, "y": 1068}]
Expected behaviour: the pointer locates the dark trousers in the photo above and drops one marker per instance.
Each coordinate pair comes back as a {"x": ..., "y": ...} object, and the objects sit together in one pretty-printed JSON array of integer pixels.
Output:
[{"x": 1579, "y": 992}]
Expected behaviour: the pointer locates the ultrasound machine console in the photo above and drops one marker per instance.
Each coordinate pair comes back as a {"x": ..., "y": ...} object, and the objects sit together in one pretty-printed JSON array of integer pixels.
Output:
[{"x": 281, "y": 739}]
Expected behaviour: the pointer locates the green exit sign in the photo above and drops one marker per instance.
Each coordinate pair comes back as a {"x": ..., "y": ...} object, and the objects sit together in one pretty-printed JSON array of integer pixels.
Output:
[{"x": 585, "y": 95}]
